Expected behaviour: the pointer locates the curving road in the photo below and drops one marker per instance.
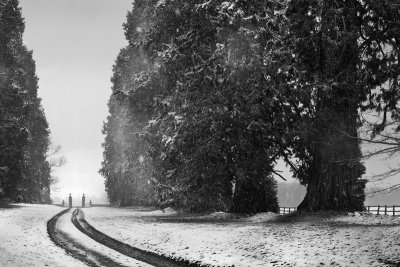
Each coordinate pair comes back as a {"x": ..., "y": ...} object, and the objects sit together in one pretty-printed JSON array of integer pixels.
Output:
[
  {"x": 69, "y": 230},
  {"x": 80, "y": 246}
]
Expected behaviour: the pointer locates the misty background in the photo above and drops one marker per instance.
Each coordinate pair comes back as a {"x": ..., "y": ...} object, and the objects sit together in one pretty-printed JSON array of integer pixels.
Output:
[{"x": 75, "y": 44}]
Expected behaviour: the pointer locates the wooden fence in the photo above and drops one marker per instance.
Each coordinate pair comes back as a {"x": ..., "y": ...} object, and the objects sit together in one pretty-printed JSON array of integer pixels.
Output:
[
  {"x": 286, "y": 210},
  {"x": 384, "y": 210},
  {"x": 390, "y": 210}
]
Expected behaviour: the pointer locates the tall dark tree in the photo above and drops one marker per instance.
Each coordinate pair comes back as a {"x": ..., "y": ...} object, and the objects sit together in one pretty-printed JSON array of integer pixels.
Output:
[
  {"x": 218, "y": 140},
  {"x": 347, "y": 52},
  {"x": 13, "y": 137},
  {"x": 326, "y": 36},
  {"x": 126, "y": 165},
  {"x": 216, "y": 125},
  {"x": 209, "y": 95},
  {"x": 24, "y": 134},
  {"x": 36, "y": 173}
]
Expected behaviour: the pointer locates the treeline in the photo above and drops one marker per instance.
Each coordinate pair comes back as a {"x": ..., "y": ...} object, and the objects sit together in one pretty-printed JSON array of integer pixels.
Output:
[
  {"x": 24, "y": 132},
  {"x": 209, "y": 95}
]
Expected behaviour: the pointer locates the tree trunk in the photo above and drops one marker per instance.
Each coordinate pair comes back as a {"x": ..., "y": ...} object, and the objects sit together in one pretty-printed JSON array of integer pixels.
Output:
[
  {"x": 336, "y": 167},
  {"x": 334, "y": 175}
]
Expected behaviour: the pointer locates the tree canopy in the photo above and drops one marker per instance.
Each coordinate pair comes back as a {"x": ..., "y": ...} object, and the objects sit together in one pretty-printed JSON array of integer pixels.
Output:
[
  {"x": 24, "y": 131},
  {"x": 208, "y": 95}
]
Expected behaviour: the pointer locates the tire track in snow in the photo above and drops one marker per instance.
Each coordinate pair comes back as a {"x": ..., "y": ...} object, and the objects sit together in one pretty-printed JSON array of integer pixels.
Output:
[
  {"x": 76, "y": 249},
  {"x": 154, "y": 259}
]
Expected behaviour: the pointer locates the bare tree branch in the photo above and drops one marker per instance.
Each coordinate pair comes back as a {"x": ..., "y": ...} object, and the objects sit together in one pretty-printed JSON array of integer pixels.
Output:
[{"x": 275, "y": 172}]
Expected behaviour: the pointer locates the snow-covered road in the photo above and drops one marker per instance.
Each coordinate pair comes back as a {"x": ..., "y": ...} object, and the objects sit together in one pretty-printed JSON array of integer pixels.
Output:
[
  {"x": 134, "y": 252},
  {"x": 24, "y": 238},
  {"x": 222, "y": 239},
  {"x": 83, "y": 247}
]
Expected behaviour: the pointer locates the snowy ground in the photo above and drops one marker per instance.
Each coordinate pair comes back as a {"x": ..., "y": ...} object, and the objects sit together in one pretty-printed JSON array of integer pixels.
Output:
[
  {"x": 218, "y": 239},
  {"x": 222, "y": 239},
  {"x": 65, "y": 225},
  {"x": 24, "y": 238}
]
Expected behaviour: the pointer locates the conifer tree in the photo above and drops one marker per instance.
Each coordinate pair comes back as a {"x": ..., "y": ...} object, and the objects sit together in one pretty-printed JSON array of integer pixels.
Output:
[
  {"x": 212, "y": 138},
  {"x": 24, "y": 134},
  {"x": 326, "y": 35},
  {"x": 209, "y": 95}
]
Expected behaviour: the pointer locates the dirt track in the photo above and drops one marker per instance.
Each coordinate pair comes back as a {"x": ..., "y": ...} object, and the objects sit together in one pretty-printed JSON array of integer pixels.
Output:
[
  {"x": 92, "y": 257},
  {"x": 73, "y": 248},
  {"x": 79, "y": 221}
]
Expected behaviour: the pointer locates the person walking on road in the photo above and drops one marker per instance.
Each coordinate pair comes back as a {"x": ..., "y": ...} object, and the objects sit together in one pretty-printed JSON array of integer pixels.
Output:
[
  {"x": 83, "y": 201},
  {"x": 70, "y": 200}
]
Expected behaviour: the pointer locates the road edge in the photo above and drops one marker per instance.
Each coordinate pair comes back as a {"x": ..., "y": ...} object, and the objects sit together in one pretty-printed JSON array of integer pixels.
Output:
[
  {"x": 78, "y": 219},
  {"x": 77, "y": 251}
]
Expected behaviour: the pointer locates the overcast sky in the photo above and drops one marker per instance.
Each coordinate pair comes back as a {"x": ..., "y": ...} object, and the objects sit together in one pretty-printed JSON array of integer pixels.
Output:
[{"x": 75, "y": 43}]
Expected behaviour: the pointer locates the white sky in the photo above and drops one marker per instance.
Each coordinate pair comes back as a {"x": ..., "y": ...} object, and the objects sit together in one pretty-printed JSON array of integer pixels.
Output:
[{"x": 75, "y": 43}]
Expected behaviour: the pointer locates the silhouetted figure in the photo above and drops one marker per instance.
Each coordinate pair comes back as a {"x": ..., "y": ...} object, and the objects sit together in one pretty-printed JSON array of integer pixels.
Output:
[
  {"x": 90, "y": 203},
  {"x": 70, "y": 200},
  {"x": 83, "y": 201},
  {"x": 63, "y": 203}
]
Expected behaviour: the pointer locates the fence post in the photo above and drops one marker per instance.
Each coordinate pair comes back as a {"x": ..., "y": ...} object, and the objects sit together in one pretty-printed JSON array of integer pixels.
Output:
[
  {"x": 379, "y": 206},
  {"x": 385, "y": 209},
  {"x": 368, "y": 209},
  {"x": 394, "y": 210},
  {"x": 284, "y": 210}
]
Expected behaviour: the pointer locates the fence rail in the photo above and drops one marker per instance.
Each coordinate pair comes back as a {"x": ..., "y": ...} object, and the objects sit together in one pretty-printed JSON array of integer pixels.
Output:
[
  {"x": 384, "y": 210},
  {"x": 286, "y": 210},
  {"x": 391, "y": 210}
]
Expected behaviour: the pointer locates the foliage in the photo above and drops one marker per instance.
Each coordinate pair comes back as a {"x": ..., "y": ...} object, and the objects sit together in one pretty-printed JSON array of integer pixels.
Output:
[
  {"x": 379, "y": 67},
  {"x": 24, "y": 134},
  {"x": 210, "y": 94},
  {"x": 208, "y": 82},
  {"x": 325, "y": 36}
]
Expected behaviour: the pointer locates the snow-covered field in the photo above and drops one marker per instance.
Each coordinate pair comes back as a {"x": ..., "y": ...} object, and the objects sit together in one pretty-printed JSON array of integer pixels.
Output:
[
  {"x": 64, "y": 224},
  {"x": 222, "y": 239},
  {"x": 24, "y": 240},
  {"x": 218, "y": 239}
]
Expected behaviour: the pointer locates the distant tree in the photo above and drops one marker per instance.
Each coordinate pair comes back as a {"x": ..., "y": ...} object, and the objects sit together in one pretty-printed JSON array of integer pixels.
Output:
[
  {"x": 126, "y": 165},
  {"x": 55, "y": 161}
]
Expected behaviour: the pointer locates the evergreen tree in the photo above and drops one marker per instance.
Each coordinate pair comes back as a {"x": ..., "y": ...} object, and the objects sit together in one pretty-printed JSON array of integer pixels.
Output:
[
  {"x": 379, "y": 67},
  {"x": 36, "y": 173},
  {"x": 126, "y": 165},
  {"x": 326, "y": 36},
  {"x": 348, "y": 54},
  {"x": 13, "y": 137},
  {"x": 207, "y": 77},
  {"x": 209, "y": 95},
  {"x": 24, "y": 170}
]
